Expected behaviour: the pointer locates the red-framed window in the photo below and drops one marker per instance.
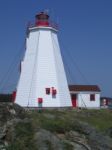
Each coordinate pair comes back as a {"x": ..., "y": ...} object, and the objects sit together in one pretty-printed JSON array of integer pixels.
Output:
[
  {"x": 48, "y": 91},
  {"x": 40, "y": 100},
  {"x": 92, "y": 97},
  {"x": 54, "y": 92}
]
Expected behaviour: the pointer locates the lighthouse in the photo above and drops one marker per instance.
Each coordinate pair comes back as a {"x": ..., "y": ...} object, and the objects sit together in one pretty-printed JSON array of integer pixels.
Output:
[{"x": 42, "y": 81}]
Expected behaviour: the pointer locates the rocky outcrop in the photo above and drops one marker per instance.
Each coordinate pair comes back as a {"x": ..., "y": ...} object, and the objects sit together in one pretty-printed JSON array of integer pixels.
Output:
[
  {"x": 95, "y": 140},
  {"x": 45, "y": 140},
  {"x": 109, "y": 132},
  {"x": 10, "y": 114},
  {"x": 47, "y": 130}
]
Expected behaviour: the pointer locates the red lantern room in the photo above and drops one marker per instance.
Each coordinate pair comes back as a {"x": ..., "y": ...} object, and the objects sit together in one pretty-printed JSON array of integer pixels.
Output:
[{"x": 42, "y": 19}]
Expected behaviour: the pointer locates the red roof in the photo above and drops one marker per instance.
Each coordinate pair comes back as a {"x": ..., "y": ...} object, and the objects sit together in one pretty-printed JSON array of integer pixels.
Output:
[{"x": 84, "y": 88}]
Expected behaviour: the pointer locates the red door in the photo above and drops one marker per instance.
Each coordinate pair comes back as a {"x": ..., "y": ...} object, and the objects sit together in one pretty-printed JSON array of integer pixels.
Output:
[{"x": 74, "y": 101}]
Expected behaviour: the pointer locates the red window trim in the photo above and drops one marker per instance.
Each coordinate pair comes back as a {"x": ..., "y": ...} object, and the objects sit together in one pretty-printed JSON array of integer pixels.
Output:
[
  {"x": 40, "y": 100},
  {"x": 48, "y": 91}
]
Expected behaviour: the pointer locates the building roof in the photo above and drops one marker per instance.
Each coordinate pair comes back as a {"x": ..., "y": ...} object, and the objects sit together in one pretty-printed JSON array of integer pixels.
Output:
[{"x": 84, "y": 88}]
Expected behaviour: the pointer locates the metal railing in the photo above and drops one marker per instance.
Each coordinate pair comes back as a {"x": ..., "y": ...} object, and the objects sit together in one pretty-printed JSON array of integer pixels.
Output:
[{"x": 52, "y": 24}]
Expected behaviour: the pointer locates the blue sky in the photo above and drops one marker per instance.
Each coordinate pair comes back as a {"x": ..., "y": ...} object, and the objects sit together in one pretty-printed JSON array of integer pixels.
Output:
[{"x": 85, "y": 35}]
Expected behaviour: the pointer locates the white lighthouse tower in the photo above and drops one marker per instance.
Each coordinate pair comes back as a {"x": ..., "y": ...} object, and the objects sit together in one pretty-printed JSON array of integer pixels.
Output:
[{"x": 42, "y": 81}]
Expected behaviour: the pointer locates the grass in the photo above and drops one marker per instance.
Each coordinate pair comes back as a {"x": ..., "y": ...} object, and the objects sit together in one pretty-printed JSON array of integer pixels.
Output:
[
  {"x": 24, "y": 135},
  {"x": 63, "y": 120},
  {"x": 100, "y": 119},
  {"x": 57, "y": 121}
]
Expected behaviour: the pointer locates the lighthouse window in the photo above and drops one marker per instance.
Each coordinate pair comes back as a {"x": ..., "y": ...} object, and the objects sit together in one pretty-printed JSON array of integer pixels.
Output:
[
  {"x": 47, "y": 90},
  {"x": 92, "y": 97}
]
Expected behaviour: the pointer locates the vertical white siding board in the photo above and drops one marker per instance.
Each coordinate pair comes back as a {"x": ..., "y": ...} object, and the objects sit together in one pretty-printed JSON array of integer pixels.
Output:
[
  {"x": 23, "y": 88},
  {"x": 61, "y": 76}
]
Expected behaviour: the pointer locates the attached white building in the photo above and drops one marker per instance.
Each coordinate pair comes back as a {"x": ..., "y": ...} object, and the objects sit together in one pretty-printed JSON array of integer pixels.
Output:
[{"x": 85, "y": 96}]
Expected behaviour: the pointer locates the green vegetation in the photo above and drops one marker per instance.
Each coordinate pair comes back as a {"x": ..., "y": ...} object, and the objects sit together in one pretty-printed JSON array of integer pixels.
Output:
[
  {"x": 68, "y": 146},
  {"x": 24, "y": 135},
  {"x": 100, "y": 119},
  {"x": 64, "y": 120},
  {"x": 57, "y": 122}
]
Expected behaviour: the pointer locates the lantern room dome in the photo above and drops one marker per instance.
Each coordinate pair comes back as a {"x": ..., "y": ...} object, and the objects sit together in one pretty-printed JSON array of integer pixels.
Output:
[
  {"x": 42, "y": 19},
  {"x": 42, "y": 16}
]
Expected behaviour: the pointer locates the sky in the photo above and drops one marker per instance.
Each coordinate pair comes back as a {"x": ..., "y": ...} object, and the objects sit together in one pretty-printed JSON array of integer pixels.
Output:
[{"x": 85, "y": 37}]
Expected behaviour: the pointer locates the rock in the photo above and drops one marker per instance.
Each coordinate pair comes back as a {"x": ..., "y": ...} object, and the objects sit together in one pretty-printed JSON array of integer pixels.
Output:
[
  {"x": 77, "y": 138},
  {"x": 57, "y": 129},
  {"x": 10, "y": 114},
  {"x": 96, "y": 140},
  {"x": 109, "y": 132},
  {"x": 45, "y": 140}
]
